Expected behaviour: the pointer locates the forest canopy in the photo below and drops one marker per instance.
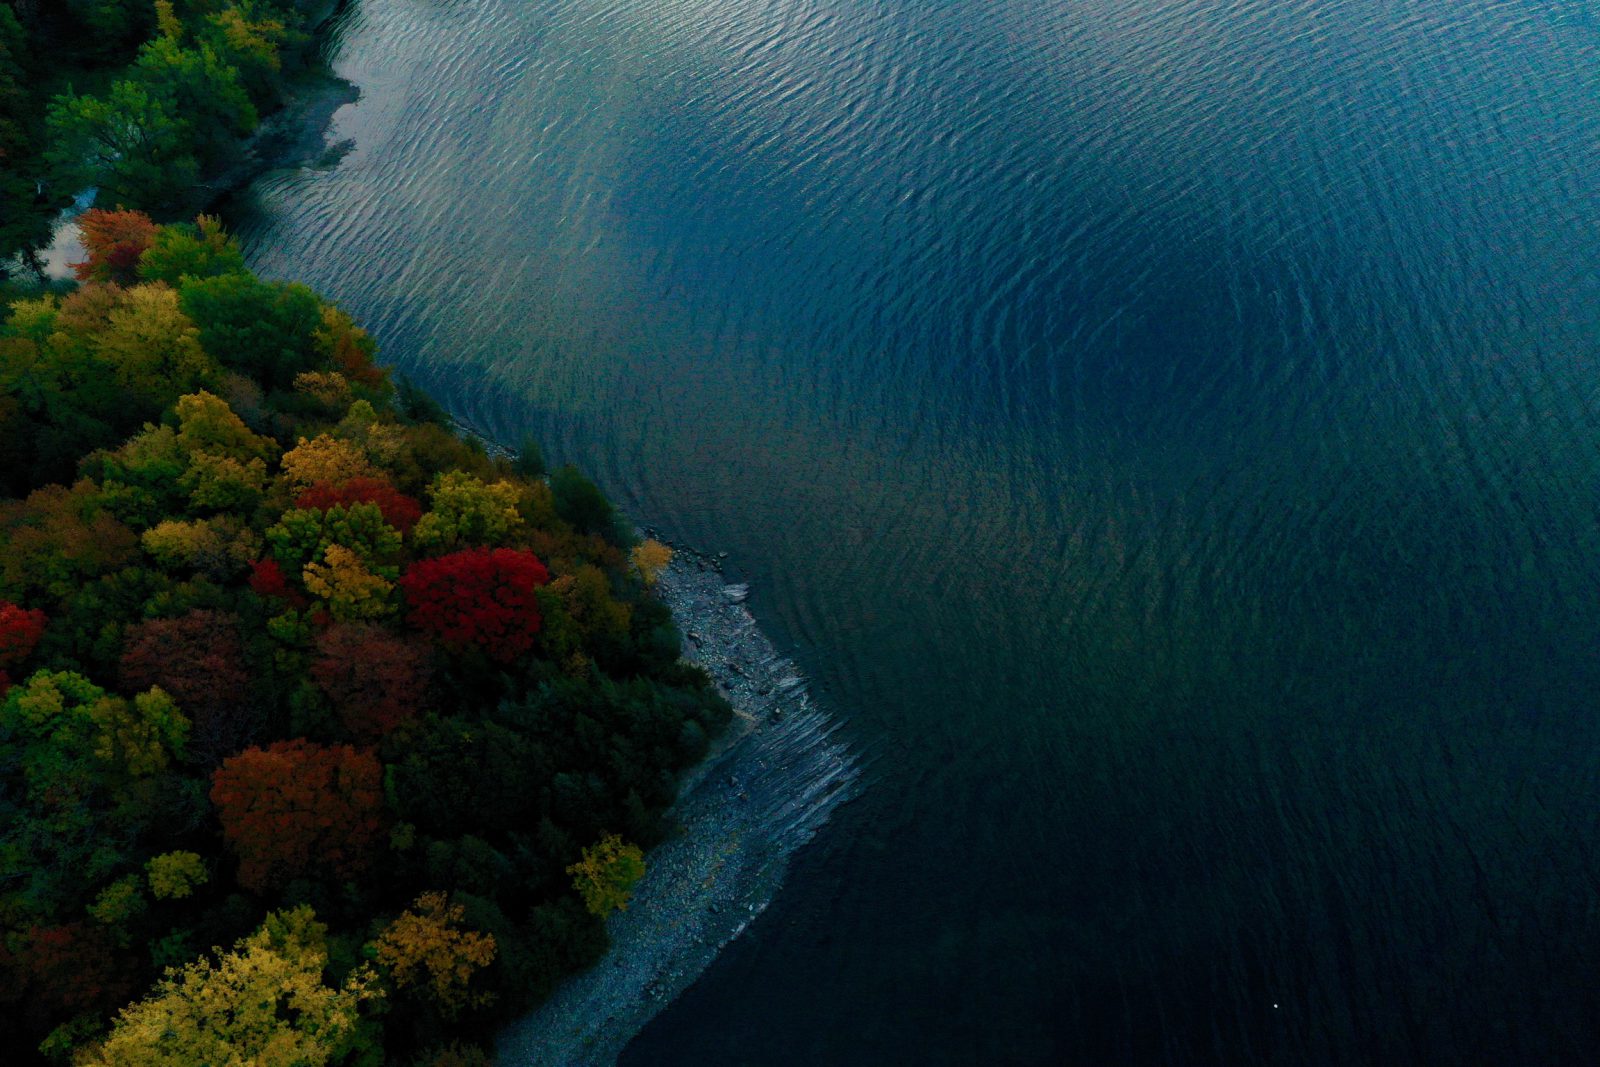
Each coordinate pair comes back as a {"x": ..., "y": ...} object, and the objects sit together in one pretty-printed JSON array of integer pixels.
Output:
[
  {"x": 142, "y": 100},
  {"x": 326, "y": 737}
]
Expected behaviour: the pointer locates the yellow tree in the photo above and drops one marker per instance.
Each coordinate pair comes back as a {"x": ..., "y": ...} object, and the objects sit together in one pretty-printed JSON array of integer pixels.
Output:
[
  {"x": 349, "y": 588},
  {"x": 175, "y": 875},
  {"x": 426, "y": 946},
  {"x": 325, "y": 459},
  {"x": 264, "y": 1004},
  {"x": 606, "y": 875},
  {"x": 650, "y": 558},
  {"x": 153, "y": 347},
  {"x": 466, "y": 511}
]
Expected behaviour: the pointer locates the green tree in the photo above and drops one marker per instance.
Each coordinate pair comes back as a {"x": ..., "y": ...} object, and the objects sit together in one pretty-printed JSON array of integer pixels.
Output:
[
  {"x": 199, "y": 85},
  {"x": 251, "y": 41},
  {"x": 24, "y": 221},
  {"x": 191, "y": 250},
  {"x": 580, "y": 502},
  {"x": 130, "y": 143},
  {"x": 264, "y": 329},
  {"x": 176, "y": 875},
  {"x": 154, "y": 348},
  {"x": 466, "y": 512}
]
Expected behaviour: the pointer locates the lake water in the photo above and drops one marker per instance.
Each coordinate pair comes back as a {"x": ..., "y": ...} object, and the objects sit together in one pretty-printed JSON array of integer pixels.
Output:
[{"x": 1167, "y": 432}]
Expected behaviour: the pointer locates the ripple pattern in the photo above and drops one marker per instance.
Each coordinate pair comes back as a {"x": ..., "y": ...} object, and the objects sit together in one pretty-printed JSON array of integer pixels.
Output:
[{"x": 1166, "y": 431}]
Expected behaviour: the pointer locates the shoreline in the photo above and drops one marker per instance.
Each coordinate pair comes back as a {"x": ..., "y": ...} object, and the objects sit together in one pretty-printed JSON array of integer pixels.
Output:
[{"x": 766, "y": 787}]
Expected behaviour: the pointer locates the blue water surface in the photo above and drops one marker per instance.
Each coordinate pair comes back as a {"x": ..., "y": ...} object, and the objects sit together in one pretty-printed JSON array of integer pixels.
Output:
[{"x": 1165, "y": 429}]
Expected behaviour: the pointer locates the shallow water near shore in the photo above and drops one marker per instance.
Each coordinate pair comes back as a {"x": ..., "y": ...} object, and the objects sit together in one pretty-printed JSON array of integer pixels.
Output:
[{"x": 1164, "y": 433}]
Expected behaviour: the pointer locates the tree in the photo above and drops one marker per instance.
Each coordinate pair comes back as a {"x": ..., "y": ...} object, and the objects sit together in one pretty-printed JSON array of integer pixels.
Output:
[
  {"x": 297, "y": 808},
  {"x": 427, "y": 947},
  {"x": 398, "y": 510},
  {"x": 325, "y": 459},
  {"x": 580, "y": 502},
  {"x": 303, "y": 536},
  {"x": 650, "y": 558},
  {"x": 529, "y": 461},
  {"x": 140, "y": 482},
  {"x": 265, "y": 1004},
  {"x": 264, "y": 329},
  {"x": 484, "y": 598},
  {"x": 83, "y": 770},
  {"x": 185, "y": 250},
  {"x": 466, "y": 511},
  {"x": 197, "y": 84},
  {"x": 349, "y": 348},
  {"x": 130, "y": 144},
  {"x": 374, "y": 679},
  {"x": 267, "y": 580},
  {"x": 72, "y": 969},
  {"x": 346, "y": 585},
  {"x": 176, "y": 875},
  {"x": 153, "y": 347},
  {"x": 207, "y": 424},
  {"x": 114, "y": 241},
  {"x": 20, "y": 630},
  {"x": 24, "y": 223},
  {"x": 606, "y": 875},
  {"x": 57, "y": 540},
  {"x": 249, "y": 45},
  {"x": 227, "y": 462},
  {"x": 218, "y": 548},
  {"x": 199, "y": 659}
]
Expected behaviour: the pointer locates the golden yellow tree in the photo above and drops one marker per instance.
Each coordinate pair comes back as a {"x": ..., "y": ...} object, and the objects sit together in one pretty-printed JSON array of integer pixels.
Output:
[
  {"x": 650, "y": 558},
  {"x": 264, "y": 1004},
  {"x": 325, "y": 459},
  {"x": 153, "y": 346},
  {"x": 606, "y": 875},
  {"x": 349, "y": 588},
  {"x": 427, "y": 946}
]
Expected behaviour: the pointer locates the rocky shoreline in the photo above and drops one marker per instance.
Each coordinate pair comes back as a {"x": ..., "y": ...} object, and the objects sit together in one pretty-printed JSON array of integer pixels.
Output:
[{"x": 766, "y": 788}]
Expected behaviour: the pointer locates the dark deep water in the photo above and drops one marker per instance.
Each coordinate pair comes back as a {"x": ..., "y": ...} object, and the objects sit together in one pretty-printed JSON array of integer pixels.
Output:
[{"x": 1168, "y": 432}]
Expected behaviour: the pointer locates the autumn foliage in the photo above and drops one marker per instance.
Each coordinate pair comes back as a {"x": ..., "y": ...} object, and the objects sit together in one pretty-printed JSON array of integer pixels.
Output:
[
  {"x": 296, "y": 807},
  {"x": 20, "y": 630},
  {"x": 280, "y": 638},
  {"x": 479, "y": 597},
  {"x": 114, "y": 241},
  {"x": 199, "y": 659},
  {"x": 374, "y": 679},
  {"x": 429, "y": 948},
  {"x": 267, "y": 580},
  {"x": 399, "y": 510}
]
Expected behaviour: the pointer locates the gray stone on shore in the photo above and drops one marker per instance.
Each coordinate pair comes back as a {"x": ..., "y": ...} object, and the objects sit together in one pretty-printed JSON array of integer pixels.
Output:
[{"x": 766, "y": 788}]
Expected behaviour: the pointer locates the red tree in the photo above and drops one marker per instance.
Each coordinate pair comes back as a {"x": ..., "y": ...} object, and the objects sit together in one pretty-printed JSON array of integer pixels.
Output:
[
  {"x": 297, "y": 808},
  {"x": 478, "y": 597},
  {"x": 199, "y": 659},
  {"x": 267, "y": 580},
  {"x": 373, "y": 679},
  {"x": 73, "y": 969},
  {"x": 20, "y": 630},
  {"x": 114, "y": 241},
  {"x": 399, "y": 510}
]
